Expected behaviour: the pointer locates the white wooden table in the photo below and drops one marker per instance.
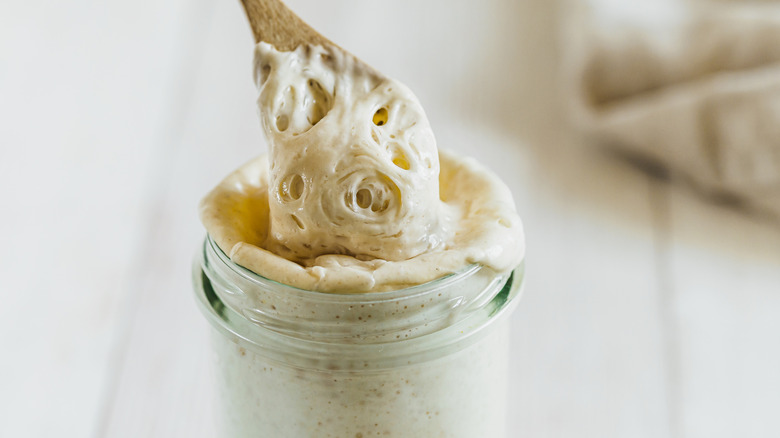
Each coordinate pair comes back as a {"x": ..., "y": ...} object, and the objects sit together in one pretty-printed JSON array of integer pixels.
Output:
[{"x": 648, "y": 311}]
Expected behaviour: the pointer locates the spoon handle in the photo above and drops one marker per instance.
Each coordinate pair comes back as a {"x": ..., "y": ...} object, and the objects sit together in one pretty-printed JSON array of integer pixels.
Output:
[{"x": 275, "y": 24}]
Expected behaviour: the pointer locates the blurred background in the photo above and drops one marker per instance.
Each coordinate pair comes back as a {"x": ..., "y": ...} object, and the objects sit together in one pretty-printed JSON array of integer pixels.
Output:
[{"x": 640, "y": 140}]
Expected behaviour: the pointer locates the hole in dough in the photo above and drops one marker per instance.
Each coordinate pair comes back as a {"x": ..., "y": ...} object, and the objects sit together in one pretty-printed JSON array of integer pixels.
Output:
[
  {"x": 398, "y": 157},
  {"x": 379, "y": 205},
  {"x": 380, "y": 117},
  {"x": 265, "y": 71},
  {"x": 401, "y": 161},
  {"x": 297, "y": 221},
  {"x": 363, "y": 198},
  {"x": 291, "y": 188},
  {"x": 282, "y": 123},
  {"x": 318, "y": 102},
  {"x": 285, "y": 111},
  {"x": 296, "y": 187}
]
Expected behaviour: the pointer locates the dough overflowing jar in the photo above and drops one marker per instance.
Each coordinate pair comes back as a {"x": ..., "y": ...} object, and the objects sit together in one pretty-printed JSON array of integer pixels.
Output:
[{"x": 425, "y": 361}]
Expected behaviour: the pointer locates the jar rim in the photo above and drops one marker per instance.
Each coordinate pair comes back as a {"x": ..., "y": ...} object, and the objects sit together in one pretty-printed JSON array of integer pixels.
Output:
[
  {"x": 406, "y": 292},
  {"x": 455, "y": 317}
]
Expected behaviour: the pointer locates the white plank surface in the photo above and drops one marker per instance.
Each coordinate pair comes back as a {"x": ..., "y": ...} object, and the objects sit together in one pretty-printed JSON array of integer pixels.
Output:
[
  {"x": 85, "y": 91},
  {"x": 163, "y": 387},
  {"x": 726, "y": 286},
  {"x": 648, "y": 312},
  {"x": 589, "y": 347}
]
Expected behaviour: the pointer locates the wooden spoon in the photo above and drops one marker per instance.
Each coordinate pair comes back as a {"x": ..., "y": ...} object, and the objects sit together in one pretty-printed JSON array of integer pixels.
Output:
[{"x": 275, "y": 24}]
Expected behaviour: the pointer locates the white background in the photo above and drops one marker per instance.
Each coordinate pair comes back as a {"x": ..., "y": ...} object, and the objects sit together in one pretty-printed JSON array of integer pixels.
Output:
[{"x": 648, "y": 311}]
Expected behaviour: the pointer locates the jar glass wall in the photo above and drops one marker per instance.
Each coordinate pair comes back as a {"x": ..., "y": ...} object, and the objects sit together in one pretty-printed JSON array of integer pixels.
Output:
[{"x": 430, "y": 360}]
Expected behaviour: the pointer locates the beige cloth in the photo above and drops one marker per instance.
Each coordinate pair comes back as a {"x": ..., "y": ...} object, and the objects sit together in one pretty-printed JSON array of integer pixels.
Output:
[{"x": 692, "y": 85}]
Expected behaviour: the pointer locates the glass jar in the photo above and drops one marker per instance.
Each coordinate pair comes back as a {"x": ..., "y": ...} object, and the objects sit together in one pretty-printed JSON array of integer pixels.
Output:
[{"x": 425, "y": 361}]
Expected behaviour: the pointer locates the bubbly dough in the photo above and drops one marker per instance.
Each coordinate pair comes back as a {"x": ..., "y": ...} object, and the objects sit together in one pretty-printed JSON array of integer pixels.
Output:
[
  {"x": 353, "y": 159},
  {"x": 351, "y": 197}
]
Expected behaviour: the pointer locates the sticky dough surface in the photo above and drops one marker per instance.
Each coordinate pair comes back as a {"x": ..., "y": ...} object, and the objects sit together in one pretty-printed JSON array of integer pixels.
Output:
[{"x": 351, "y": 197}]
